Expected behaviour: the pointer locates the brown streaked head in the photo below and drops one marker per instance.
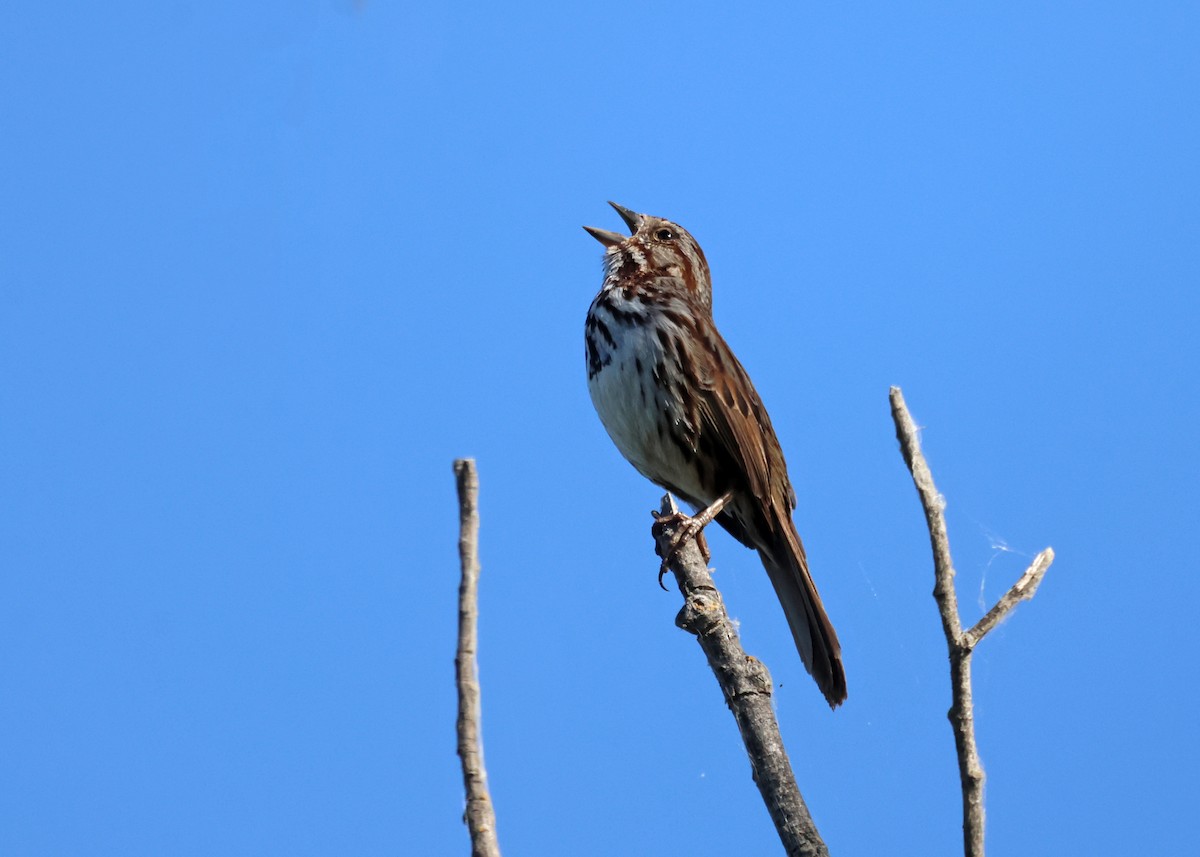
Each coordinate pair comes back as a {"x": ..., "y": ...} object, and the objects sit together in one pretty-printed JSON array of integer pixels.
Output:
[{"x": 657, "y": 249}]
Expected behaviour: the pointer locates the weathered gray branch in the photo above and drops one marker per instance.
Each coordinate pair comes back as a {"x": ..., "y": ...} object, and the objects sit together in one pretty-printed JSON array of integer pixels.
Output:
[
  {"x": 746, "y": 685},
  {"x": 960, "y": 643},
  {"x": 1022, "y": 590},
  {"x": 479, "y": 815}
]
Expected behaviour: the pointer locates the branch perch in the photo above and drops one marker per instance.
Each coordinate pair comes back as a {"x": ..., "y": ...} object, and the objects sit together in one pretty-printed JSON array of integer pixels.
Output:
[
  {"x": 961, "y": 644},
  {"x": 745, "y": 682},
  {"x": 479, "y": 814}
]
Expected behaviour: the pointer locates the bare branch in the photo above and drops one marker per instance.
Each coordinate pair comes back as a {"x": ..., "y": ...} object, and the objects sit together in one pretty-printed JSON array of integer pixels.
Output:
[
  {"x": 960, "y": 644},
  {"x": 934, "y": 505},
  {"x": 1022, "y": 590},
  {"x": 479, "y": 815},
  {"x": 745, "y": 682}
]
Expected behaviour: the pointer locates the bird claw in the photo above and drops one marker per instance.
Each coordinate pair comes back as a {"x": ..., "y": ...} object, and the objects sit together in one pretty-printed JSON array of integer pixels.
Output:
[
  {"x": 692, "y": 528},
  {"x": 676, "y": 543}
]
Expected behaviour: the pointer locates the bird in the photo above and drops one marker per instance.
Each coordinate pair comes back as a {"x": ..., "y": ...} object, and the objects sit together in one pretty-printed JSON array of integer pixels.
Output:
[{"x": 680, "y": 407}]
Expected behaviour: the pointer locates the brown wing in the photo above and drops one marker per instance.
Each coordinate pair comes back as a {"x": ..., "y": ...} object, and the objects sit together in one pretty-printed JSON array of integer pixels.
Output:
[
  {"x": 736, "y": 433},
  {"x": 735, "y": 430}
]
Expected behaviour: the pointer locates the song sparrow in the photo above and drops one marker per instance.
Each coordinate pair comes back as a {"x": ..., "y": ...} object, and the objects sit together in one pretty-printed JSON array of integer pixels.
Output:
[{"x": 680, "y": 407}]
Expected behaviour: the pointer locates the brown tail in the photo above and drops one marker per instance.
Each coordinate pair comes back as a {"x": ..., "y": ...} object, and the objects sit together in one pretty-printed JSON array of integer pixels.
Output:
[{"x": 815, "y": 638}]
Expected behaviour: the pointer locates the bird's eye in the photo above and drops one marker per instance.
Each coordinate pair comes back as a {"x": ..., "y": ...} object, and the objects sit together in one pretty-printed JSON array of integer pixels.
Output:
[{"x": 664, "y": 235}]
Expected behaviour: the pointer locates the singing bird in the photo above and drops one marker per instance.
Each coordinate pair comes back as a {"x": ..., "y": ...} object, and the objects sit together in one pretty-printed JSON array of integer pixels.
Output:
[{"x": 682, "y": 410}]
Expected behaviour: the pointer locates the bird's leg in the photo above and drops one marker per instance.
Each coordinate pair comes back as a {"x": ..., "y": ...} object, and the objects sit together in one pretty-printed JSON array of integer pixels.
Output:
[{"x": 694, "y": 528}]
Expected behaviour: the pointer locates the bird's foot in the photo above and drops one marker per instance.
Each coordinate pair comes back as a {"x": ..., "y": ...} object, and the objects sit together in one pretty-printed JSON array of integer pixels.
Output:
[{"x": 693, "y": 527}]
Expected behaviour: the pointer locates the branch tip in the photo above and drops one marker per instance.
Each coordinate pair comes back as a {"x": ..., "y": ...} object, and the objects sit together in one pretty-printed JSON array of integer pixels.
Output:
[
  {"x": 1023, "y": 590},
  {"x": 480, "y": 815},
  {"x": 959, "y": 643}
]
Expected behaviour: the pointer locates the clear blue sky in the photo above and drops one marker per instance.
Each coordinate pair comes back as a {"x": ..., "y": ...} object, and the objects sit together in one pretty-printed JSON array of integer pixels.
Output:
[{"x": 266, "y": 271}]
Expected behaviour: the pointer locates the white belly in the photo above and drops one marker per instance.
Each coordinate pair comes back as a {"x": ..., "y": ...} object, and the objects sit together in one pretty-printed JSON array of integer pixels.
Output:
[{"x": 636, "y": 410}]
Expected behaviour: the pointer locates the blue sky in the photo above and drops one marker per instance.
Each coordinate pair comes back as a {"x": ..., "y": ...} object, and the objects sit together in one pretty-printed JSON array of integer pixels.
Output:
[{"x": 266, "y": 271}]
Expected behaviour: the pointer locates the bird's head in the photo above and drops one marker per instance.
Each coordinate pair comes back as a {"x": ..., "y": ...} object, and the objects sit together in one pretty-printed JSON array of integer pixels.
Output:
[{"x": 657, "y": 249}]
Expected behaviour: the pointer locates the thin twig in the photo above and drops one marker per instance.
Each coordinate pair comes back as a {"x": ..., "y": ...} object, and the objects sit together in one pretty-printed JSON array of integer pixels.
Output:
[
  {"x": 1022, "y": 590},
  {"x": 934, "y": 505},
  {"x": 745, "y": 682},
  {"x": 960, "y": 643},
  {"x": 479, "y": 815}
]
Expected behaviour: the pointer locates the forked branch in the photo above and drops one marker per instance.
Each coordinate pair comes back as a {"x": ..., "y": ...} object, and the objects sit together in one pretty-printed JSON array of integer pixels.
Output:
[
  {"x": 960, "y": 643},
  {"x": 479, "y": 815},
  {"x": 744, "y": 681}
]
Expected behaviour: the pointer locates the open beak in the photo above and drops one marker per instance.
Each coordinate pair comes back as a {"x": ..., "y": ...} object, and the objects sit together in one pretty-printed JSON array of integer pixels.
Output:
[
  {"x": 632, "y": 219},
  {"x": 608, "y": 239},
  {"x": 611, "y": 239}
]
